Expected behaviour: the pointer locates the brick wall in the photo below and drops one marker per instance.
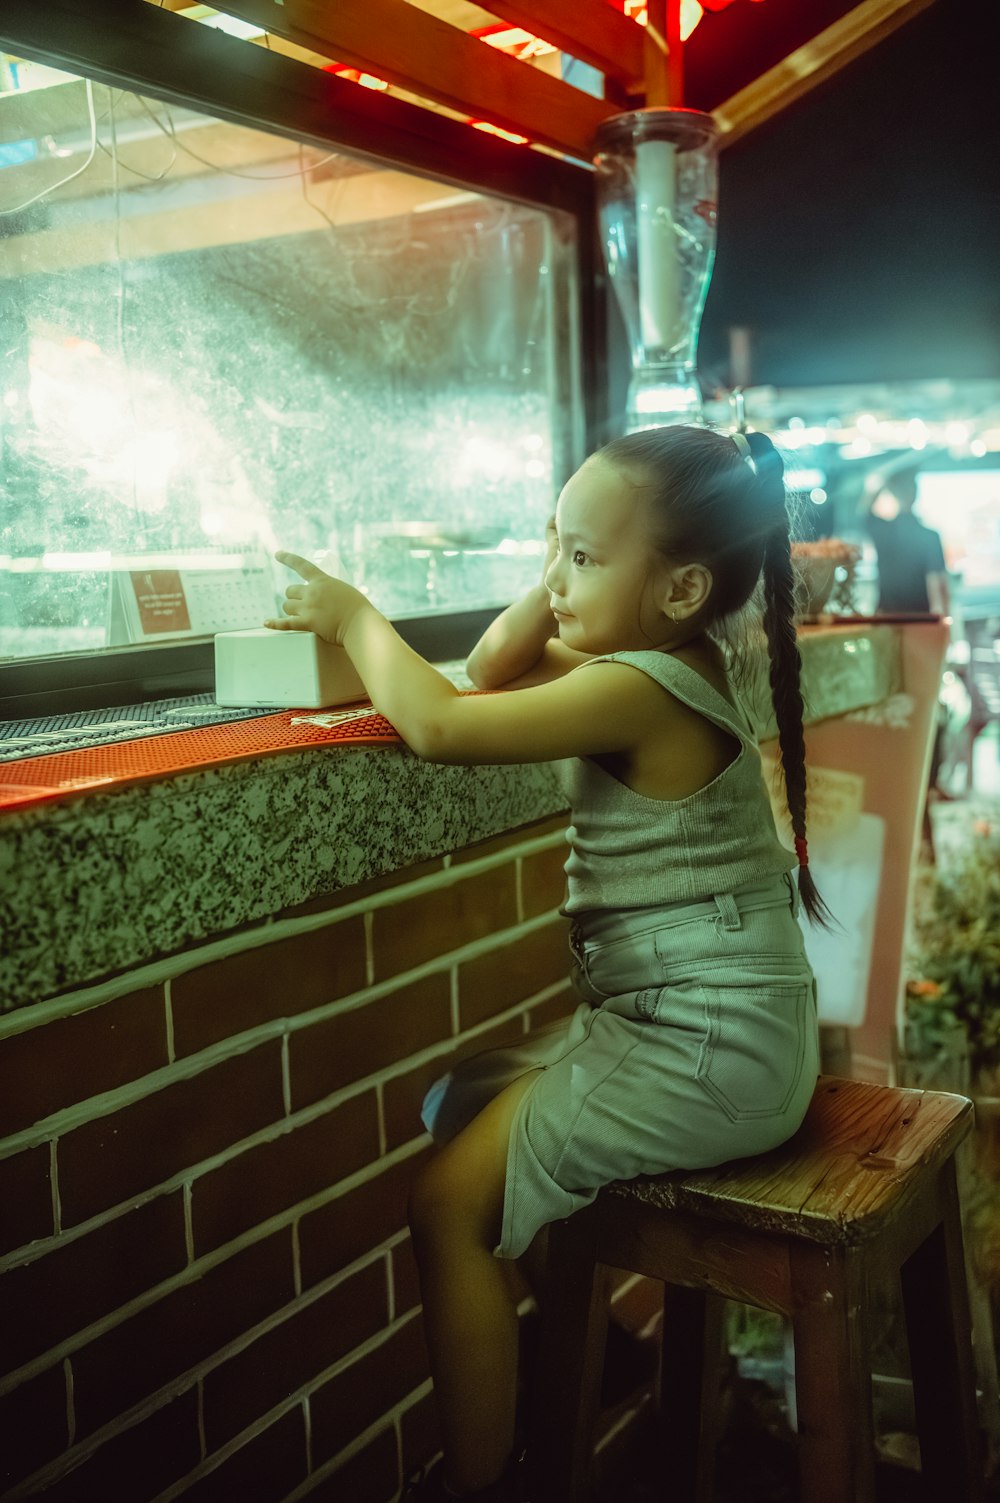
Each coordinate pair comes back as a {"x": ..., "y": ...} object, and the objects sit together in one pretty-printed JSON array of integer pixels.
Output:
[
  {"x": 206, "y": 1283},
  {"x": 207, "y": 1286}
]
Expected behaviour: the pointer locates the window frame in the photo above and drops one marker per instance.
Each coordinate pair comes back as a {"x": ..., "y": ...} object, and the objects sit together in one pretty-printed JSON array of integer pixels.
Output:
[{"x": 135, "y": 45}]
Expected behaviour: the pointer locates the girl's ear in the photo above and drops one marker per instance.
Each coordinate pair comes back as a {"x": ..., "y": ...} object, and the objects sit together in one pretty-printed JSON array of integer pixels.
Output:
[{"x": 686, "y": 590}]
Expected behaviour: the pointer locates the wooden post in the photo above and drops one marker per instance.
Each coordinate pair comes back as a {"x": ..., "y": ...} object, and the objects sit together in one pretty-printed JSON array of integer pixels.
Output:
[
  {"x": 675, "y": 55},
  {"x": 655, "y": 70},
  {"x": 664, "y": 59}
]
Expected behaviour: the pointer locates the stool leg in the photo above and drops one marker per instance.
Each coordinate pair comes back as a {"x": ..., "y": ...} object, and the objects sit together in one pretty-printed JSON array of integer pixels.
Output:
[
  {"x": 575, "y": 1302},
  {"x": 833, "y": 1387},
  {"x": 939, "y": 1328},
  {"x": 689, "y": 1389}
]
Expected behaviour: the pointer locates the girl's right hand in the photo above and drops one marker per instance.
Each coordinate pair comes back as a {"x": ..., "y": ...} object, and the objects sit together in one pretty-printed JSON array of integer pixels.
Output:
[{"x": 322, "y": 604}]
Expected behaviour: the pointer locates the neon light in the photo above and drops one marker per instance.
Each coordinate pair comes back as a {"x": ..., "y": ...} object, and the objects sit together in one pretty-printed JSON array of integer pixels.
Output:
[
  {"x": 355, "y": 75},
  {"x": 513, "y": 40},
  {"x": 496, "y": 130},
  {"x": 691, "y": 13}
]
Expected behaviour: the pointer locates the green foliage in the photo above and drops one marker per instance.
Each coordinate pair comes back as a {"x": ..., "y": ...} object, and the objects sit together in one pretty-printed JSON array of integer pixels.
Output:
[
  {"x": 956, "y": 951},
  {"x": 751, "y": 1332}
]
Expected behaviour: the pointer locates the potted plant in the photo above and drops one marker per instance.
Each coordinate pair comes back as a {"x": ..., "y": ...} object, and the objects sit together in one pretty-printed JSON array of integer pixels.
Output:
[
  {"x": 955, "y": 963},
  {"x": 953, "y": 1033}
]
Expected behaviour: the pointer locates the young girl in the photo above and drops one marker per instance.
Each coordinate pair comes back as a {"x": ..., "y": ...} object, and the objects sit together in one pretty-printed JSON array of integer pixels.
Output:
[{"x": 696, "y": 1041}]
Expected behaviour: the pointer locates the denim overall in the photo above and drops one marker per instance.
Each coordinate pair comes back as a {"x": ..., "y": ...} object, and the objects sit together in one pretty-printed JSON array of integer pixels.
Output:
[{"x": 696, "y": 1042}]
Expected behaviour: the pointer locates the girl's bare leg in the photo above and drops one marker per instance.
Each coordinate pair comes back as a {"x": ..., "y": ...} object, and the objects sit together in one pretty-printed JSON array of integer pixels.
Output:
[
  {"x": 532, "y": 1263},
  {"x": 470, "y": 1317}
]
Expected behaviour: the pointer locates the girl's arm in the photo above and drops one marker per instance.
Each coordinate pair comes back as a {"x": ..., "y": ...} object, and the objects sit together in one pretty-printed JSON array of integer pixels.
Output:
[
  {"x": 520, "y": 647},
  {"x": 606, "y": 709}
]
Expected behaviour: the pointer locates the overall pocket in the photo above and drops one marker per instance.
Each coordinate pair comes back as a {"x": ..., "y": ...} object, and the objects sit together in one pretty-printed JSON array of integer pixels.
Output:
[
  {"x": 755, "y": 1044},
  {"x": 633, "y": 962}
]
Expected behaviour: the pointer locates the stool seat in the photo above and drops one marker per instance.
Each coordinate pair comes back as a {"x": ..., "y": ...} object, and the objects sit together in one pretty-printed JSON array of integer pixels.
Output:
[
  {"x": 865, "y": 1190},
  {"x": 850, "y": 1166}
]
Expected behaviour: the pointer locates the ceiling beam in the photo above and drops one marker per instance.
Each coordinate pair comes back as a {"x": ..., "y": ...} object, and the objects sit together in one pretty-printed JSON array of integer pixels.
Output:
[
  {"x": 588, "y": 29},
  {"x": 592, "y": 30},
  {"x": 417, "y": 52},
  {"x": 819, "y": 59}
]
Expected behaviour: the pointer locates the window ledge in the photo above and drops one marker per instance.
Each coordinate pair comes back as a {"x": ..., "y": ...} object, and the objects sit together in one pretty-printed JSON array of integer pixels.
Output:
[{"x": 109, "y": 881}]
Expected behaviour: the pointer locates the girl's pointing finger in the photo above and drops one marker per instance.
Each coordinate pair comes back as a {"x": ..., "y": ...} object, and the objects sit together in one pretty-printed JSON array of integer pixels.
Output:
[{"x": 300, "y": 565}]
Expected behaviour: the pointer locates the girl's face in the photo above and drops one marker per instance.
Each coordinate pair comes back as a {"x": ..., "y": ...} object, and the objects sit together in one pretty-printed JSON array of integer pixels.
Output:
[{"x": 606, "y": 579}]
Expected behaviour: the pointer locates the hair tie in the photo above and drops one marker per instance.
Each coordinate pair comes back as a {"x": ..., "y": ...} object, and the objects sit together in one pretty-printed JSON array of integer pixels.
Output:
[
  {"x": 768, "y": 470},
  {"x": 745, "y": 452},
  {"x": 802, "y": 850}
]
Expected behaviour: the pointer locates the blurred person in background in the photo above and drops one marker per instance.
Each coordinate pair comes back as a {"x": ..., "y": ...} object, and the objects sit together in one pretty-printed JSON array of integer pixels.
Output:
[{"x": 913, "y": 578}]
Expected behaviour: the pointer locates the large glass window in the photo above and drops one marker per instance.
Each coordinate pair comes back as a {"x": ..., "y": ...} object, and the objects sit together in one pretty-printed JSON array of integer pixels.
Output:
[{"x": 218, "y": 341}]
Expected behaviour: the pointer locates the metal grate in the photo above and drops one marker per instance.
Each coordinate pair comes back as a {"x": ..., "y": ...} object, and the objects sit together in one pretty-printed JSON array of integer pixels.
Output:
[
  {"x": 156, "y": 748},
  {"x": 53, "y": 733}
]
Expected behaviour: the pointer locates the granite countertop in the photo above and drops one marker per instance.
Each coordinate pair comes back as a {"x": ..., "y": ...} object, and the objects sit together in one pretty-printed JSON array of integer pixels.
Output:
[{"x": 110, "y": 880}]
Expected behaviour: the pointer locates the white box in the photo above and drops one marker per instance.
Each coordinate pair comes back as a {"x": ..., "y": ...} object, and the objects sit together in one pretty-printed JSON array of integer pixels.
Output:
[{"x": 282, "y": 670}]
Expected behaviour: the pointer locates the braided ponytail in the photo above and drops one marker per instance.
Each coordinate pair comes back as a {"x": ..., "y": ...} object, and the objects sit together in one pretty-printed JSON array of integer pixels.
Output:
[{"x": 783, "y": 652}]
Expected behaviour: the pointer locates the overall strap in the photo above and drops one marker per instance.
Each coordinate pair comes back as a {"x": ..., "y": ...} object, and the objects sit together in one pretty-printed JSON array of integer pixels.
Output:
[{"x": 687, "y": 685}]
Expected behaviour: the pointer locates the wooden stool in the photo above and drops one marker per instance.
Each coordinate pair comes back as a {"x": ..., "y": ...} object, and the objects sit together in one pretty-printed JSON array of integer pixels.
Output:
[{"x": 865, "y": 1188}]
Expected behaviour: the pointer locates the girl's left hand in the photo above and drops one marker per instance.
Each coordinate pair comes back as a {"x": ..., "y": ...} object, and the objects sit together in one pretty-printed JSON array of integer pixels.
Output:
[{"x": 321, "y": 604}]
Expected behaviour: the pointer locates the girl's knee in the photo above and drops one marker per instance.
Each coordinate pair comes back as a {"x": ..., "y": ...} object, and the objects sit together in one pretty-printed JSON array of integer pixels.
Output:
[
  {"x": 435, "y": 1197},
  {"x": 425, "y": 1200},
  {"x": 447, "y": 1202},
  {"x": 459, "y": 1193}
]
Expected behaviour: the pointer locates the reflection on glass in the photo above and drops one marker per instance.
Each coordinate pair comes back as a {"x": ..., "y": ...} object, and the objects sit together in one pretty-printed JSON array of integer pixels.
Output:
[{"x": 218, "y": 341}]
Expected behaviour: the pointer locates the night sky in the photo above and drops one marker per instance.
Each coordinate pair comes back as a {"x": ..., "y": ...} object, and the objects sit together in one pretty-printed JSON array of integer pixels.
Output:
[{"x": 859, "y": 231}]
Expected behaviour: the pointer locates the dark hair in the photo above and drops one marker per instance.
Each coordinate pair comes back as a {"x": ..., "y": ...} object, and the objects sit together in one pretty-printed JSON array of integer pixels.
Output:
[
  {"x": 902, "y": 485},
  {"x": 715, "y": 505}
]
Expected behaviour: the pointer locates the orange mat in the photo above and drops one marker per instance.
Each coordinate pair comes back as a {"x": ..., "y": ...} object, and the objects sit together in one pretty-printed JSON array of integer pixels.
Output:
[{"x": 34, "y": 780}]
